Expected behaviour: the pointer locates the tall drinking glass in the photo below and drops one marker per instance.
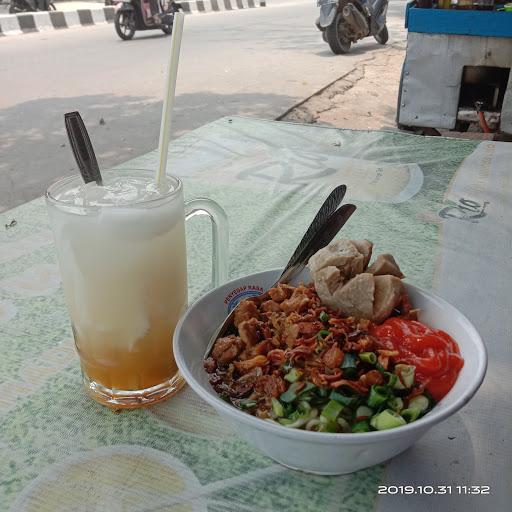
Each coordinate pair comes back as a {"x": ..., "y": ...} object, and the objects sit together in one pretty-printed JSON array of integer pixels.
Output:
[{"x": 122, "y": 254}]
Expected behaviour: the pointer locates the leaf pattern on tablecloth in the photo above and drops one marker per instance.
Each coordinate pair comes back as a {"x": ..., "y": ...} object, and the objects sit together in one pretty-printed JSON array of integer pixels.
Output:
[{"x": 115, "y": 478}]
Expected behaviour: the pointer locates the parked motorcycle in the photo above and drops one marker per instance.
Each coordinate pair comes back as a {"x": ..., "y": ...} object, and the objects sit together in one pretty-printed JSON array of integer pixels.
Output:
[
  {"x": 343, "y": 22},
  {"x": 17, "y": 6},
  {"x": 132, "y": 15}
]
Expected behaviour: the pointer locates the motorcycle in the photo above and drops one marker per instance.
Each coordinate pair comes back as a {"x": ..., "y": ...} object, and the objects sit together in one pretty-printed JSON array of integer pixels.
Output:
[
  {"x": 17, "y": 6},
  {"x": 132, "y": 15},
  {"x": 343, "y": 22}
]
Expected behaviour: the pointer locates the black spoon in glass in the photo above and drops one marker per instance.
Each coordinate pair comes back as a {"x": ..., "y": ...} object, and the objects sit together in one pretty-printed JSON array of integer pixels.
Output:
[{"x": 82, "y": 148}]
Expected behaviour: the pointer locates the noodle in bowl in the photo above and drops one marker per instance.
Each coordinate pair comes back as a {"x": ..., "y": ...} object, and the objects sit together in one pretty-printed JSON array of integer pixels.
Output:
[{"x": 318, "y": 452}]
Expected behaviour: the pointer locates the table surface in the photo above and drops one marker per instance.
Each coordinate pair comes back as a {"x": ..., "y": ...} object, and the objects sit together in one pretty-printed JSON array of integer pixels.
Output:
[{"x": 442, "y": 206}]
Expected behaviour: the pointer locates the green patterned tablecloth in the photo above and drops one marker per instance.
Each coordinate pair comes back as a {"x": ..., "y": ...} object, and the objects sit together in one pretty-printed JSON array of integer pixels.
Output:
[{"x": 442, "y": 206}]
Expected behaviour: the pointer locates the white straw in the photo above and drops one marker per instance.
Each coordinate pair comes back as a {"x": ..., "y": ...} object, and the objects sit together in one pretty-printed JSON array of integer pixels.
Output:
[{"x": 170, "y": 89}]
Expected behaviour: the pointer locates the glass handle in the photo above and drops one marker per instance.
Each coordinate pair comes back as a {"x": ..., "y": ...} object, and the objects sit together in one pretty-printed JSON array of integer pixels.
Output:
[{"x": 220, "y": 235}]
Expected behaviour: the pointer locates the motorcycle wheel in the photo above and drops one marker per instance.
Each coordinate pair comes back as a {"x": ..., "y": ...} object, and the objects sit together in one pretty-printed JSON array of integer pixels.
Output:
[
  {"x": 167, "y": 29},
  {"x": 335, "y": 38},
  {"x": 125, "y": 24},
  {"x": 383, "y": 36}
]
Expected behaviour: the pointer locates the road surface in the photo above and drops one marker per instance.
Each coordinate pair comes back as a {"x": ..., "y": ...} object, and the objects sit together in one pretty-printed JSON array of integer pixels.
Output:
[{"x": 256, "y": 62}]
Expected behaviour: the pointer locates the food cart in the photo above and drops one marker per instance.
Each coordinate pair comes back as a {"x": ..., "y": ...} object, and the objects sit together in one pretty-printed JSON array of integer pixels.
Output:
[{"x": 456, "y": 73}]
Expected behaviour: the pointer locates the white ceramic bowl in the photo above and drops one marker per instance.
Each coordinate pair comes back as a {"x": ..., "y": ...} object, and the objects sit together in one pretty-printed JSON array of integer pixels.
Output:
[{"x": 315, "y": 452}]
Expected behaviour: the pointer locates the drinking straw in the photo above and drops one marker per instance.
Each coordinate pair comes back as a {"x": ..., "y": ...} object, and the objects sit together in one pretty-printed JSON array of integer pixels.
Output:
[{"x": 170, "y": 90}]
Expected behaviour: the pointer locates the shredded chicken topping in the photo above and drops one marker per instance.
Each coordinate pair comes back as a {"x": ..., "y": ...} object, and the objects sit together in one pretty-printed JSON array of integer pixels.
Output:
[{"x": 288, "y": 332}]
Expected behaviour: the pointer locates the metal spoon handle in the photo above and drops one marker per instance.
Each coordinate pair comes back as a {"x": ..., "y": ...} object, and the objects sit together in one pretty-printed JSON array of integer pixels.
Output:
[
  {"x": 326, "y": 232},
  {"x": 328, "y": 207},
  {"x": 82, "y": 148}
]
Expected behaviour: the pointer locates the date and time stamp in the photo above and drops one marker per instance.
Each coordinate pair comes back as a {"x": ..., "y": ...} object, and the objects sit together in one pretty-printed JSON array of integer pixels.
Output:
[{"x": 435, "y": 489}]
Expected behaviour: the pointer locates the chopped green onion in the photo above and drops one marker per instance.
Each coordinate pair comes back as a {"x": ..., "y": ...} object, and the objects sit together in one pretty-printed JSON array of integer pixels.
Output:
[
  {"x": 398, "y": 385},
  {"x": 328, "y": 427},
  {"x": 396, "y": 403},
  {"x": 349, "y": 366},
  {"x": 344, "y": 424},
  {"x": 419, "y": 402},
  {"x": 247, "y": 404},
  {"x": 363, "y": 412},
  {"x": 391, "y": 379},
  {"x": 304, "y": 407},
  {"x": 291, "y": 393},
  {"x": 342, "y": 399},
  {"x": 323, "y": 317},
  {"x": 277, "y": 408},
  {"x": 307, "y": 388},
  {"x": 378, "y": 395},
  {"x": 431, "y": 399},
  {"x": 295, "y": 415},
  {"x": 293, "y": 375},
  {"x": 322, "y": 335},
  {"x": 368, "y": 357},
  {"x": 322, "y": 392},
  {"x": 405, "y": 374},
  {"x": 288, "y": 409},
  {"x": 303, "y": 412},
  {"x": 332, "y": 410},
  {"x": 287, "y": 366},
  {"x": 298, "y": 423},
  {"x": 410, "y": 414},
  {"x": 361, "y": 426},
  {"x": 349, "y": 361},
  {"x": 387, "y": 419},
  {"x": 316, "y": 402}
]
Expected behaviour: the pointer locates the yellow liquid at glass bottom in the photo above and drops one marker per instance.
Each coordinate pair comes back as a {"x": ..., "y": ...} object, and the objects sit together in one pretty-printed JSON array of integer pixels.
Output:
[{"x": 149, "y": 361}]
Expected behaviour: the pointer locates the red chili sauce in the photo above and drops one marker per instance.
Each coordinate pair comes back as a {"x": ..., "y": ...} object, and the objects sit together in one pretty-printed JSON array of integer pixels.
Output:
[{"x": 434, "y": 353}]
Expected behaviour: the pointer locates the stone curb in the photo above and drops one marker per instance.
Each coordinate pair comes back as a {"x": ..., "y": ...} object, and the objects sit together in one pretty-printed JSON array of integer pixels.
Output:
[{"x": 15, "y": 24}]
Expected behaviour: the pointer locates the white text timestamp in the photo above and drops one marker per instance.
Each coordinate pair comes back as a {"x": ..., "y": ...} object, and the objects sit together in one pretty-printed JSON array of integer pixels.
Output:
[{"x": 434, "y": 489}]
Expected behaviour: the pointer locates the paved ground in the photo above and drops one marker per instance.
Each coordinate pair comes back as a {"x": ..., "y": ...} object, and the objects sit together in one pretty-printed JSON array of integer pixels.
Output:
[
  {"x": 364, "y": 99},
  {"x": 258, "y": 62}
]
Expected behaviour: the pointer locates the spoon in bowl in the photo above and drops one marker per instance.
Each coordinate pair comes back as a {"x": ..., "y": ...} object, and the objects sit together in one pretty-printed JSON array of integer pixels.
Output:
[{"x": 325, "y": 230}]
